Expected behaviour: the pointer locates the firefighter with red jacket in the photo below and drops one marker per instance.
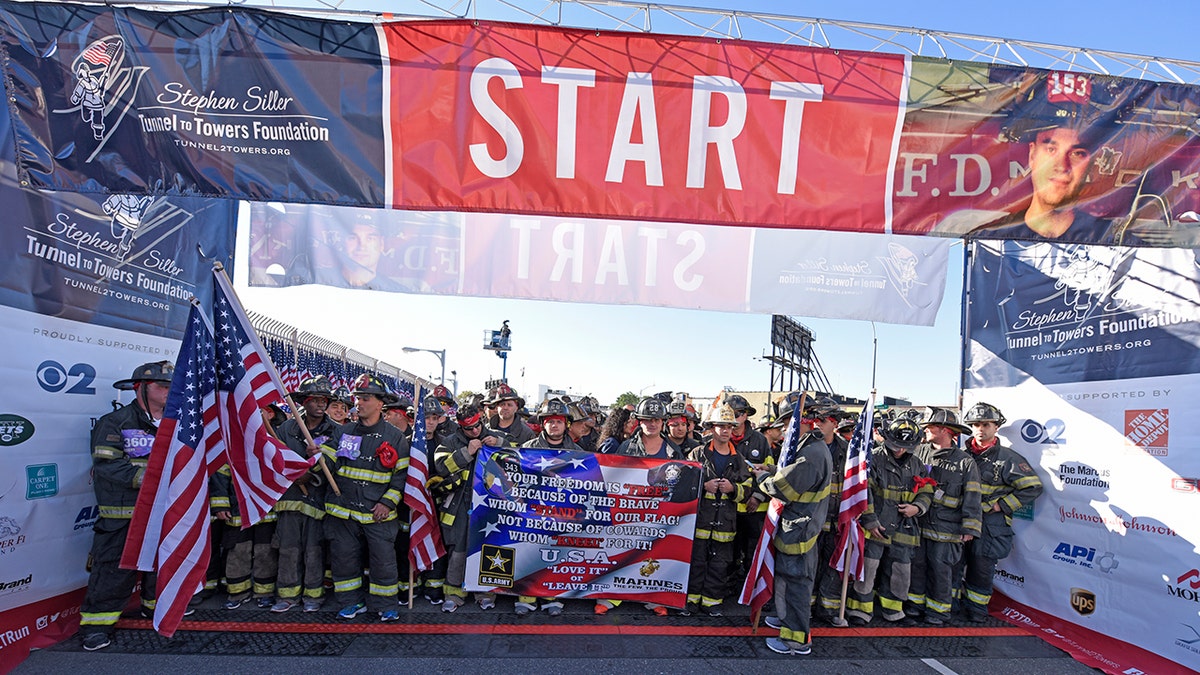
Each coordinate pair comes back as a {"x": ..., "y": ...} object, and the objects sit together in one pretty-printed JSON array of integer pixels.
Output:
[
  {"x": 727, "y": 482},
  {"x": 1008, "y": 483},
  {"x": 369, "y": 462},
  {"x": 121, "y": 444}
]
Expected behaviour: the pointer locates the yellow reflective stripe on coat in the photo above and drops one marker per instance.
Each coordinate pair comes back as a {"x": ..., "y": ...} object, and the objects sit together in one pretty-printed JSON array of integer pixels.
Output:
[
  {"x": 365, "y": 474},
  {"x": 799, "y": 548},
  {"x": 119, "y": 512}
]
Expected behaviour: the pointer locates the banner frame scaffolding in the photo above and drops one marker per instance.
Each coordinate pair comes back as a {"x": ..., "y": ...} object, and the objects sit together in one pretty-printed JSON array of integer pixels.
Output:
[{"x": 733, "y": 24}]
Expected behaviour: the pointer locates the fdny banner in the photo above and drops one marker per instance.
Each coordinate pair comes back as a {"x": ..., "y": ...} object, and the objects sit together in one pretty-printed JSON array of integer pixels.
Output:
[
  {"x": 1092, "y": 355},
  {"x": 886, "y": 278},
  {"x": 241, "y": 104},
  {"x": 573, "y": 524}
]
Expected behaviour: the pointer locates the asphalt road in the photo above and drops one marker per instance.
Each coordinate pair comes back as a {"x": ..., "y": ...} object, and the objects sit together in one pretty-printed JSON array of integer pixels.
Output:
[{"x": 627, "y": 640}]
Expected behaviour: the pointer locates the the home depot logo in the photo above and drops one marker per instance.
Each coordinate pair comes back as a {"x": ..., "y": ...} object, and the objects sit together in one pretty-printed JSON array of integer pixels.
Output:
[{"x": 1148, "y": 429}]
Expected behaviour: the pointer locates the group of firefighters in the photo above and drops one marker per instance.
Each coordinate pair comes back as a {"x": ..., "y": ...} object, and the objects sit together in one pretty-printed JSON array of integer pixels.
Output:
[{"x": 938, "y": 519}]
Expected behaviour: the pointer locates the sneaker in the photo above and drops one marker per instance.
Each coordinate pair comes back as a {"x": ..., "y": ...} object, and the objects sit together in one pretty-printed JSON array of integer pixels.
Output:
[
  {"x": 781, "y": 646},
  {"x": 715, "y": 610},
  {"x": 554, "y": 609},
  {"x": 312, "y": 605},
  {"x": 435, "y": 596},
  {"x": 523, "y": 608},
  {"x": 283, "y": 605},
  {"x": 264, "y": 603},
  {"x": 688, "y": 609},
  {"x": 97, "y": 640},
  {"x": 660, "y": 611},
  {"x": 487, "y": 602},
  {"x": 934, "y": 620},
  {"x": 893, "y": 616},
  {"x": 600, "y": 610},
  {"x": 234, "y": 604},
  {"x": 352, "y": 611},
  {"x": 773, "y": 621},
  {"x": 450, "y": 605},
  {"x": 188, "y": 611},
  {"x": 389, "y": 615}
]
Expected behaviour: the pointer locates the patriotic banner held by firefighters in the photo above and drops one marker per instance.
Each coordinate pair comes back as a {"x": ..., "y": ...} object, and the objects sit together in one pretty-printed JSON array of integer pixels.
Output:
[
  {"x": 572, "y": 524},
  {"x": 1093, "y": 355}
]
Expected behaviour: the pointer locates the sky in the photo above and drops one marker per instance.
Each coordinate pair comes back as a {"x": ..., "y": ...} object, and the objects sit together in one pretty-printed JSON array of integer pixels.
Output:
[{"x": 607, "y": 350}]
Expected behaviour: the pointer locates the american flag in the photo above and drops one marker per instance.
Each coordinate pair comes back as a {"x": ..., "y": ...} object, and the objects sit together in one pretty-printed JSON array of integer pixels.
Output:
[
  {"x": 760, "y": 582},
  {"x": 849, "y": 554},
  {"x": 101, "y": 52},
  {"x": 425, "y": 534},
  {"x": 170, "y": 523},
  {"x": 263, "y": 467}
]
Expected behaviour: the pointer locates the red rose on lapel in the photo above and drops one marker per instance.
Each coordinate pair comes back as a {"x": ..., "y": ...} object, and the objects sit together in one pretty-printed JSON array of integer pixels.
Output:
[{"x": 387, "y": 455}]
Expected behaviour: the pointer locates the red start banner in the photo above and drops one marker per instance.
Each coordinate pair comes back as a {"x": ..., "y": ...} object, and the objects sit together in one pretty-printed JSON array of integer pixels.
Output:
[{"x": 499, "y": 117}]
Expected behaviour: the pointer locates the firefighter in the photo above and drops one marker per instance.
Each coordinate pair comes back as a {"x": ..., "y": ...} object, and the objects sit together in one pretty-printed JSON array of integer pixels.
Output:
[
  {"x": 801, "y": 481},
  {"x": 454, "y": 464},
  {"x": 648, "y": 440},
  {"x": 899, "y": 495},
  {"x": 552, "y": 415},
  {"x": 121, "y": 444},
  {"x": 370, "y": 462},
  {"x": 953, "y": 518},
  {"x": 507, "y": 402},
  {"x": 727, "y": 483},
  {"x": 298, "y": 530},
  {"x": 1008, "y": 483}
]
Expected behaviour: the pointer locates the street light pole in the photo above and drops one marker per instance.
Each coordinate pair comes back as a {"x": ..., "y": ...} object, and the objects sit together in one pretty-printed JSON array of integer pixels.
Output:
[{"x": 440, "y": 353}]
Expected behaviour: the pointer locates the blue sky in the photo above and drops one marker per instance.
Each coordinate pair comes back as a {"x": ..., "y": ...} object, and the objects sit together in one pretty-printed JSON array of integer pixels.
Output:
[{"x": 606, "y": 350}]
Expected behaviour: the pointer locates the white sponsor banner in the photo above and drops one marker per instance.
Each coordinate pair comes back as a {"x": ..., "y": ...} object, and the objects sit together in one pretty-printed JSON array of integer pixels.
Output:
[
  {"x": 1112, "y": 544},
  {"x": 58, "y": 377},
  {"x": 891, "y": 279}
]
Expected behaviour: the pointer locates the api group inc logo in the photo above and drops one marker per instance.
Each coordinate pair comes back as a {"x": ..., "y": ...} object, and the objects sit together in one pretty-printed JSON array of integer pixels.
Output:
[{"x": 1085, "y": 557}]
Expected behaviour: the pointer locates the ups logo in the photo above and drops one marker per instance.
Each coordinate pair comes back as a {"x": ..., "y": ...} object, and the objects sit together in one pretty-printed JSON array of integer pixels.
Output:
[{"x": 1083, "y": 601}]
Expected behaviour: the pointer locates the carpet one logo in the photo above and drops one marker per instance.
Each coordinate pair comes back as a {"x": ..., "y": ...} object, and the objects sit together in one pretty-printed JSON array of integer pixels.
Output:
[
  {"x": 1149, "y": 429},
  {"x": 1186, "y": 586}
]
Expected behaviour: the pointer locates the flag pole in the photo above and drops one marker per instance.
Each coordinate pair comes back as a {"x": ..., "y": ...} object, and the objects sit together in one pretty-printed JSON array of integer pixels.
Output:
[
  {"x": 270, "y": 366},
  {"x": 412, "y": 578}
]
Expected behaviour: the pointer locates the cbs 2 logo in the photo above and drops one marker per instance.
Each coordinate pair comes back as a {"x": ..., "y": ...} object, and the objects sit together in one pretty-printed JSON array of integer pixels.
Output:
[
  {"x": 53, "y": 377},
  {"x": 1036, "y": 433}
]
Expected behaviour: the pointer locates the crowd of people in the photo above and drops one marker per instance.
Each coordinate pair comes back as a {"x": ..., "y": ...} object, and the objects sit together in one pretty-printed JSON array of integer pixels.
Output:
[{"x": 938, "y": 519}]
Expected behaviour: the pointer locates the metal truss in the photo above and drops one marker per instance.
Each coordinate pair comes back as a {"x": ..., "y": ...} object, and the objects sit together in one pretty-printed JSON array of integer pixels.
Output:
[{"x": 730, "y": 24}]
